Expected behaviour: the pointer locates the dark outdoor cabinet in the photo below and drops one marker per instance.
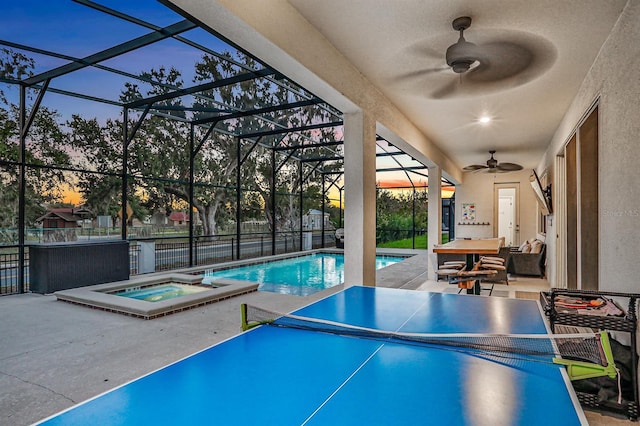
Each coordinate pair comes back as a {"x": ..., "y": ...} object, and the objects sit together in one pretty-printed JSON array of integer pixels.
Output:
[{"x": 61, "y": 266}]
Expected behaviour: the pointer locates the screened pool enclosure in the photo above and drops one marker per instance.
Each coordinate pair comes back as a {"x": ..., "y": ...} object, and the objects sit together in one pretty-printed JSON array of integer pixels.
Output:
[{"x": 130, "y": 122}]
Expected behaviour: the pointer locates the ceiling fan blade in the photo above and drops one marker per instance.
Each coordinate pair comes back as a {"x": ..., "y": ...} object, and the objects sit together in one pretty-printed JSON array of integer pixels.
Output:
[
  {"x": 501, "y": 60},
  {"x": 413, "y": 75},
  {"x": 509, "y": 167},
  {"x": 423, "y": 49},
  {"x": 447, "y": 90},
  {"x": 474, "y": 167}
]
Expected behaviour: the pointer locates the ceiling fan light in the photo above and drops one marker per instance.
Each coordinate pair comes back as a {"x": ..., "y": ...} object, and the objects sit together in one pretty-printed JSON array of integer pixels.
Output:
[
  {"x": 460, "y": 67},
  {"x": 461, "y": 56}
]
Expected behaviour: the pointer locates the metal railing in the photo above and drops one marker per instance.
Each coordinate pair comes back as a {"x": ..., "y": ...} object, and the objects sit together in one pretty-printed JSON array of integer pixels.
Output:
[
  {"x": 173, "y": 252},
  {"x": 134, "y": 257},
  {"x": 9, "y": 261}
]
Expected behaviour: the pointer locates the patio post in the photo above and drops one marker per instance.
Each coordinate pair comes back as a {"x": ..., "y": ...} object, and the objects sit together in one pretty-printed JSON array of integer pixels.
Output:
[
  {"x": 22, "y": 184},
  {"x": 301, "y": 200},
  {"x": 340, "y": 211},
  {"x": 192, "y": 155},
  {"x": 238, "y": 195},
  {"x": 125, "y": 160},
  {"x": 324, "y": 191},
  {"x": 273, "y": 202},
  {"x": 360, "y": 193},
  {"x": 434, "y": 216},
  {"x": 413, "y": 216}
]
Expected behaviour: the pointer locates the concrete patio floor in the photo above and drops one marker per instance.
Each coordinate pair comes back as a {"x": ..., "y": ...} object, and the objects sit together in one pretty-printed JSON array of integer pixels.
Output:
[{"x": 54, "y": 355}]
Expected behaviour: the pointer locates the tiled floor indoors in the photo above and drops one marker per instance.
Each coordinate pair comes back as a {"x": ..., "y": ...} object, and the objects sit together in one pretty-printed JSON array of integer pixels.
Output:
[{"x": 54, "y": 354}]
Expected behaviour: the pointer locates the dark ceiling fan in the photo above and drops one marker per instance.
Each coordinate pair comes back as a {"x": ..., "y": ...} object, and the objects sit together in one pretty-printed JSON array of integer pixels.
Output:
[
  {"x": 502, "y": 59},
  {"x": 493, "y": 166},
  {"x": 462, "y": 54}
]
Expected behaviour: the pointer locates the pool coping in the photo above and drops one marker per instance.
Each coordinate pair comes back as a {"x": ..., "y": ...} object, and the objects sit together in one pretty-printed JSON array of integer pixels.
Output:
[{"x": 98, "y": 297}]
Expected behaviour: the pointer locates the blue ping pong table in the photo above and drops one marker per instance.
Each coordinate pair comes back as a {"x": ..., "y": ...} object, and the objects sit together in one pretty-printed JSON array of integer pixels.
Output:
[{"x": 276, "y": 376}]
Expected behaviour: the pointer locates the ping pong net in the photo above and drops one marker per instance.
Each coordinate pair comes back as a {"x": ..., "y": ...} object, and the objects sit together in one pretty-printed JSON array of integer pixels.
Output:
[{"x": 585, "y": 355}]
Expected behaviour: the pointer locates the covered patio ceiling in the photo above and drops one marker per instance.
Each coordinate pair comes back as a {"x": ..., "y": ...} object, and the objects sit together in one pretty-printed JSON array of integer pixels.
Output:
[
  {"x": 85, "y": 54},
  {"x": 388, "y": 58},
  {"x": 534, "y": 55}
]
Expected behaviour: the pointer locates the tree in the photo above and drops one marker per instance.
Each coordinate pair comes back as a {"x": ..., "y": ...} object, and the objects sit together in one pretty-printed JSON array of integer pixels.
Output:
[
  {"x": 216, "y": 159},
  {"x": 45, "y": 152},
  {"x": 99, "y": 150},
  {"x": 159, "y": 155},
  {"x": 14, "y": 66},
  {"x": 160, "y": 151},
  {"x": 99, "y": 153},
  {"x": 287, "y": 182},
  {"x": 400, "y": 211}
]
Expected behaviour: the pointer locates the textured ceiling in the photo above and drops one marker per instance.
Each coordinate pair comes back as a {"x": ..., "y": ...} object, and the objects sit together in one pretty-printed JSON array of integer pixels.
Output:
[{"x": 400, "y": 45}]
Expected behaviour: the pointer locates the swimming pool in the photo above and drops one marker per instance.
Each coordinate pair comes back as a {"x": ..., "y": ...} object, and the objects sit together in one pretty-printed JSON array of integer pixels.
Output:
[{"x": 301, "y": 276}]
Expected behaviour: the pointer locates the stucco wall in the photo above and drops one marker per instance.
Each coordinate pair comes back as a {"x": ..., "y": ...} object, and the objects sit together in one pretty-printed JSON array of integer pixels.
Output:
[
  {"x": 478, "y": 188},
  {"x": 615, "y": 79}
]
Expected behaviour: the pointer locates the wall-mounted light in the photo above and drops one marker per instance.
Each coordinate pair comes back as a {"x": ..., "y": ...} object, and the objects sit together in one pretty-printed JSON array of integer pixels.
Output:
[{"x": 484, "y": 119}]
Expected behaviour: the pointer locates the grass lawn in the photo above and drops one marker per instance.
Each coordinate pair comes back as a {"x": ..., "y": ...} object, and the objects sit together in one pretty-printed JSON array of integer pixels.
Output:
[{"x": 421, "y": 242}]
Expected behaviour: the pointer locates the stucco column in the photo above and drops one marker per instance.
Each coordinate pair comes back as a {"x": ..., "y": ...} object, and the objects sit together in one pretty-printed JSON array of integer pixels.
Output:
[
  {"x": 434, "y": 217},
  {"x": 360, "y": 199}
]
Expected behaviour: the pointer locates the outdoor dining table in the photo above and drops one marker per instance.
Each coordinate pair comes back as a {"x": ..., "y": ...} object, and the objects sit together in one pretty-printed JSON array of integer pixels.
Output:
[{"x": 472, "y": 249}]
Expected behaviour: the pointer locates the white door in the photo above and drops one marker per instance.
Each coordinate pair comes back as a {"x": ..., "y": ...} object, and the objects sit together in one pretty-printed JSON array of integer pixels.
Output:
[{"x": 506, "y": 213}]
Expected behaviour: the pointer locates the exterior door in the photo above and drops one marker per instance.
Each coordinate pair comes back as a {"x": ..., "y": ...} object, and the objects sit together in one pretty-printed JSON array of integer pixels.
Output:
[
  {"x": 572, "y": 212},
  {"x": 507, "y": 213},
  {"x": 581, "y": 159}
]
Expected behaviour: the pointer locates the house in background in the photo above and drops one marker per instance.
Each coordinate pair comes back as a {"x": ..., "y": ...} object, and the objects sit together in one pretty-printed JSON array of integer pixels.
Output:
[
  {"x": 175, "y": 218},
  {"x": 313, "y": 220},
  {"x": 179, "y": 218},
  {"x": 65, "y": 218},
  {"x": 157, "y": 218},
  {"x": 60, "y": 224}
]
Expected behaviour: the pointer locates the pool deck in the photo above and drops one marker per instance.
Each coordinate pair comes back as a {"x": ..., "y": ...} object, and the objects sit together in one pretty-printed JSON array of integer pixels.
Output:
[
  {"x": 54, "y": 354},
  {"x": 409, "y": 274}
]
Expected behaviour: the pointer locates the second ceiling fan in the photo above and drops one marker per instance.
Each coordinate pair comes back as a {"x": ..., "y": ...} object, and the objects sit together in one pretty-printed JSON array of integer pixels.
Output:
[{"x": 493, "y": 166}]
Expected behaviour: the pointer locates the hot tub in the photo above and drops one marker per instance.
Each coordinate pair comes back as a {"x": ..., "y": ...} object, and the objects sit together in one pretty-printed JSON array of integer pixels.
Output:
[{"x": 162, "y": 294}]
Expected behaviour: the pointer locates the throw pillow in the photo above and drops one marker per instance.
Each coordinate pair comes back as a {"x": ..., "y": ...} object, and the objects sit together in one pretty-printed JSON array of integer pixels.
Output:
[
  {"x": 536, "y": 247},
  {"x": 526, "y": 248}
]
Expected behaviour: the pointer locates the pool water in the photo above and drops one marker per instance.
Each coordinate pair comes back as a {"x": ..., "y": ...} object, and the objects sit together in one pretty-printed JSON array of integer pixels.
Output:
[
  {"x": 156, "y": 293},
  {"x": 301, "y": 276}
]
